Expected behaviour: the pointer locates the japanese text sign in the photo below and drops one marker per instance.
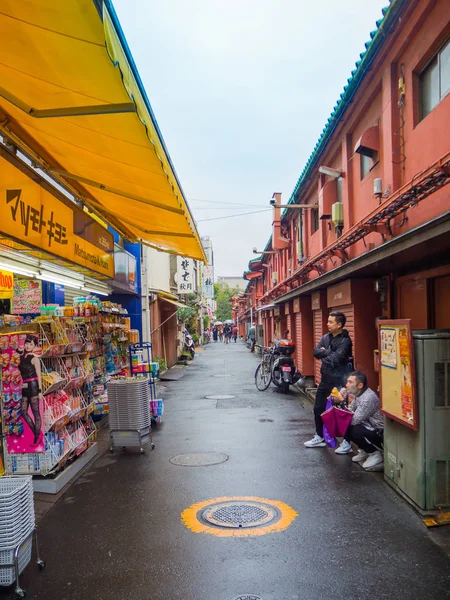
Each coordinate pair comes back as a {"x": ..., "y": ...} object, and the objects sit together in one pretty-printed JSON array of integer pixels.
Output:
[
  {"x": 397, "y": 372},
  {"x": 32, "y": 215},
  {"x": 185, "y": 275},
  {"x": 208, "y": 282},
  {"x": 27, "y": 299}
]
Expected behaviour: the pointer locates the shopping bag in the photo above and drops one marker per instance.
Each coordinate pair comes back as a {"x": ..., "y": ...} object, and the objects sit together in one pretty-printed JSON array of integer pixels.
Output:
[
  {"x": 329, "y": 417},
  {"x": 343, "y": 419}
]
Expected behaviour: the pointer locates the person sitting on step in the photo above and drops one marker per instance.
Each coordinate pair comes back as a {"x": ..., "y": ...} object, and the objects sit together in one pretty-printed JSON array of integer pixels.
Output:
[{"x": 367, "y": 425}]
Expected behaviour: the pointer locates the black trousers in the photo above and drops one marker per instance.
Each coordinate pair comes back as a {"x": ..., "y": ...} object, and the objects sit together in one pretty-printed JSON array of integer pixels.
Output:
[
  {"x": 367, "y": 440},
  {"x": 323, "y": 391}
]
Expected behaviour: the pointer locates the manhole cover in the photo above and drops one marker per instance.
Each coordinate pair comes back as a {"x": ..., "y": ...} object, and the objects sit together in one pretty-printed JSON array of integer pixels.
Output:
[
  {"x": 247, "y": 597},
  {"x": 220, "y": 397},
  {"x": 239, "y": 514},
  {"x": 199, "y": 459}
]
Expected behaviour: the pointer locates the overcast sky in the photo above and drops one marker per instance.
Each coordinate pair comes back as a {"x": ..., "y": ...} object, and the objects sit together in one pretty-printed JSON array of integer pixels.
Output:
[{"x": 241, "y": 91}]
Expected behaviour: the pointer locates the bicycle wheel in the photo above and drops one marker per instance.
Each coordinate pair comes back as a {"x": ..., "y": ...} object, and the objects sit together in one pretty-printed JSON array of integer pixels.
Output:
[{"x": 262, "y": 377}]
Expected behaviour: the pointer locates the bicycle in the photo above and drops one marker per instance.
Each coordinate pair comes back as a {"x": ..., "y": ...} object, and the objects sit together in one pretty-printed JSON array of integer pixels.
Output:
[{"x": 263, "y": 373}]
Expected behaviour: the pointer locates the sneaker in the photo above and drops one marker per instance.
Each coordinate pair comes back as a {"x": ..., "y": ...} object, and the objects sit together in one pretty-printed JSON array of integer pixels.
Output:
[
  {"x": 361, "y": 456},
  {"x": 344, "y": 448},
  {"x": 316, "y": 442},
  {"x": 375, "y": 459}
]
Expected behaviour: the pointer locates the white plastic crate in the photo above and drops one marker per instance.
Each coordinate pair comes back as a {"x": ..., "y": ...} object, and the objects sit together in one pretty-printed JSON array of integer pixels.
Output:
[{"x": 7, "y": 574}]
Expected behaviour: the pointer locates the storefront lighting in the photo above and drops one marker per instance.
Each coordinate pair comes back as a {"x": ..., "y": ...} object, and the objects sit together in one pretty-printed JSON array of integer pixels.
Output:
[
  {"x": 60, "y": 280},
  {"x": 98, "y": 292},
  {"x": 18, "y": 270}
]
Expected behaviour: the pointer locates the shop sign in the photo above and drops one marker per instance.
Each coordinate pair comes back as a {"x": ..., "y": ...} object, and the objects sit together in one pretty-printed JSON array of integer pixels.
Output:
[
  {"x": 340, "y": 294},
  {"x": 6, "y": 285},
  {"x": 208, "y": 282},
  {"x": 296, "y": 305},
  {"x": 185, "y": 275},
  {"x": 397, "y": 373},
  {"x": 32, "y": 215},
  {"x": 276, "y": 311},
  {"x": 27, "y": 298},
  {"x": 315, "y": 301}
]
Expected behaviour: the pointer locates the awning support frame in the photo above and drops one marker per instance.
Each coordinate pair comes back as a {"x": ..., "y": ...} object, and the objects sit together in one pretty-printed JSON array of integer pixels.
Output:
[{"x": 69, "y": 111}]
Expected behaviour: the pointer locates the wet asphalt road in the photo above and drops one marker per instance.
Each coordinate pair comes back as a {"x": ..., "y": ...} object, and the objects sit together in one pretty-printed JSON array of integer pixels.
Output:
[{"x": 117, "y": 533}]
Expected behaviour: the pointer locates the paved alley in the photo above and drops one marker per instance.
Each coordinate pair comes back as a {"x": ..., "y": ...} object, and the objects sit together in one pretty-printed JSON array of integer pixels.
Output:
[{"x": 118, "y": 534}]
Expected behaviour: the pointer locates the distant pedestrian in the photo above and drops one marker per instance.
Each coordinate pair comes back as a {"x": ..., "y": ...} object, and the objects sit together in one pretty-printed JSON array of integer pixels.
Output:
[
  {"x": 215, "y": 333},
  {"x": 335, "y": 351},
  {"x": 234, "y": 333},
  {"x": 252, "y": 338},
  {"x": 227, "y": 333}
]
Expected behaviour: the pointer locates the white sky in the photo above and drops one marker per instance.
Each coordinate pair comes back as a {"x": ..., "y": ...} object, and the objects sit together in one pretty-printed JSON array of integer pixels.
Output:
[{"x": 241, "y": 90}]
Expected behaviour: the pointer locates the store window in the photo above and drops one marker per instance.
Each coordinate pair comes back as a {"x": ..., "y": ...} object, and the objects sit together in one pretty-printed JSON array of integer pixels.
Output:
[
  {"x": 366, "y": 164},
  {"x": 314, "y": 220},
  {"x": 434, "y": 81}
]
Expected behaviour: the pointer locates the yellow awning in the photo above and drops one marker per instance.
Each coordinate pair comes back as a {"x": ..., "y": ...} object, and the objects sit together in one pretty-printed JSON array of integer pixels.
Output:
[{"x": 71, "y": 96}]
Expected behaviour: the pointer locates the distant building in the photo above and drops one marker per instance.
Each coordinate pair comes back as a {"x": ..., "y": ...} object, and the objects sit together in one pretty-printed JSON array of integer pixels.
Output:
[{"x": 233, "y": 282}]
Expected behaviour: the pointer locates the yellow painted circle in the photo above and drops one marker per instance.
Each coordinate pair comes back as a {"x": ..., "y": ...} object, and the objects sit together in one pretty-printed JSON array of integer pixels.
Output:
[{"x": 191, "y": 519}]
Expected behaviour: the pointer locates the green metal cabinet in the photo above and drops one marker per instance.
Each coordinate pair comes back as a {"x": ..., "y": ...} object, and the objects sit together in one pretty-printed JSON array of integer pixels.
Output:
[{"x": 417, "y": 463}]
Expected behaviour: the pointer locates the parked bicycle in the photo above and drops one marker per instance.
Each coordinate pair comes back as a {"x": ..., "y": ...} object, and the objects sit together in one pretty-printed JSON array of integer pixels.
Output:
[{"x": 277, "y": 367}]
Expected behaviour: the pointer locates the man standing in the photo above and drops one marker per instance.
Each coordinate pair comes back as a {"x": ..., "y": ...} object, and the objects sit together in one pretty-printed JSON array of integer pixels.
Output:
[
  {"x": 367, "y": 426},
  {"x": 334, "y": 350}
]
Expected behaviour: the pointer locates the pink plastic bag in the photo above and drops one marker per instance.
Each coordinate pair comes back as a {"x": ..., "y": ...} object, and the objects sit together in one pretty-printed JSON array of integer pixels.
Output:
[{"x": 343, "y": 418}]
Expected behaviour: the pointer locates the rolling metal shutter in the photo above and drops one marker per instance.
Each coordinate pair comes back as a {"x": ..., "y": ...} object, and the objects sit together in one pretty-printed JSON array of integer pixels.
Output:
[
  {"x": 298, "y": 341},
  {"x": 70, "y": 294},
  {"x": 318, "y": 333}
]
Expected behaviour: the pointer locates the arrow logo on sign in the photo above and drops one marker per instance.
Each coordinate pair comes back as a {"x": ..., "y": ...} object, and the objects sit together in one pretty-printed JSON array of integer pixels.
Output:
[{"x": 12, "y": 195}]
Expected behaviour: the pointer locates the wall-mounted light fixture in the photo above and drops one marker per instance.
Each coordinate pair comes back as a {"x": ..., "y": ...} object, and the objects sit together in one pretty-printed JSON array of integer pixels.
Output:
[{"x": 334, "y": 173}]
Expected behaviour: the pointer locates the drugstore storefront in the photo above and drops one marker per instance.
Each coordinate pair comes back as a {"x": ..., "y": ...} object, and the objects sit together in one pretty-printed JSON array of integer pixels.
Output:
[{"x": 80, "y": 152}]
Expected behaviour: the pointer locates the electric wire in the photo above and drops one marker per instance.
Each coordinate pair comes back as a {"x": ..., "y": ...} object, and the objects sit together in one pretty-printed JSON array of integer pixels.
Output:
[
  {"x": 222, "y": 202},
  {"x": 254, "y": 212}
]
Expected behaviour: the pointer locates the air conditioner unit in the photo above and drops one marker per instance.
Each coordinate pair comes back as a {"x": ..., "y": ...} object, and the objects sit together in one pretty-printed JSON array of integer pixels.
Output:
[{"x": 274, "y": 277}]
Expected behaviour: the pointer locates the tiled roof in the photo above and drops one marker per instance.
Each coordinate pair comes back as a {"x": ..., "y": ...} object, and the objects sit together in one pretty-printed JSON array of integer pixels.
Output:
[{"x": 377, "y": 37}]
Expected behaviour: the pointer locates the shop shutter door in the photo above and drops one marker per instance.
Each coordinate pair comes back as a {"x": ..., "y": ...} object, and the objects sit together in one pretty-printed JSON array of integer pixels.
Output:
[
  {"x": 298, "y": 341},
  {"x": 70, "y": 294},
  {"x": 289, "y": 327},
  {"x": 349, "y": 312},
  {"x": 318, "y": 333}
]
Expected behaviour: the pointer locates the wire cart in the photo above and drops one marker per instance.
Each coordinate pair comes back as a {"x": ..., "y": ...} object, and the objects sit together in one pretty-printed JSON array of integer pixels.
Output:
[
  {"x": 129, "y": 402},
  {"x": 17, "y": 529}
]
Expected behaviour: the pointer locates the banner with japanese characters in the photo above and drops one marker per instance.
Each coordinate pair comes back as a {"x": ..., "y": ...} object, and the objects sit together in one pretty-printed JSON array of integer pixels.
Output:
[
  {"x": 185, "y": 275},
  {"x": 32, "y": 215},
  {"x": 208, "y": 282}
]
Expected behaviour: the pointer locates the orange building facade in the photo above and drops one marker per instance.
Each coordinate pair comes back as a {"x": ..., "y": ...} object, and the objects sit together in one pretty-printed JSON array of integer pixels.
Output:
[{"x": 369, "y": 229}]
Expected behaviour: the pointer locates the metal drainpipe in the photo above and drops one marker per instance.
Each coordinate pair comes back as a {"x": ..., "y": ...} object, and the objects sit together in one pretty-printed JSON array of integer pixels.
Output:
[{"x": 300, "y": 256}]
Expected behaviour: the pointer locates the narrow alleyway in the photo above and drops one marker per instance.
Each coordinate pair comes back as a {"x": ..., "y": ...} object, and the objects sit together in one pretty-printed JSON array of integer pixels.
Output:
[{"x": 118, "y": 533}]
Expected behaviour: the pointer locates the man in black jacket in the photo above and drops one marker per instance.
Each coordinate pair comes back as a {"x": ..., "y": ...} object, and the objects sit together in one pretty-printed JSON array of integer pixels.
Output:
[{"x": 335, "y": 351}]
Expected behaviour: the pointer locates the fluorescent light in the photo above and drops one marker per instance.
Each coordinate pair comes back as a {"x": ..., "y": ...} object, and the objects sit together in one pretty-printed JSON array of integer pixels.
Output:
[
  {"x": 60, "y": 280},
  {"x": 18, "y": 270},
  {"x": 95, "y": 292}
]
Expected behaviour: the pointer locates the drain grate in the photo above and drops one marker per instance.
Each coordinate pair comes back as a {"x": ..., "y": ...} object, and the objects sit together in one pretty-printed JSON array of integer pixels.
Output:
[
  {"x": 265, "y": 420},
  {"x": 238, "y": 515},
  {"x": 247, "y": 597},
  {"x": 220, "y": 397}
]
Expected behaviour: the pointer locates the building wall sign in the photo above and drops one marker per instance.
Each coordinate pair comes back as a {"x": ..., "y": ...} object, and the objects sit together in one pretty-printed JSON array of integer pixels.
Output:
[
  {"x": 208, "y": 282},
  {"x": 6, "y": 285},
  {"x": 185, "y": 275},
  {"x": 340, "y": 294},
  {"x": 32, "y": 215}
]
